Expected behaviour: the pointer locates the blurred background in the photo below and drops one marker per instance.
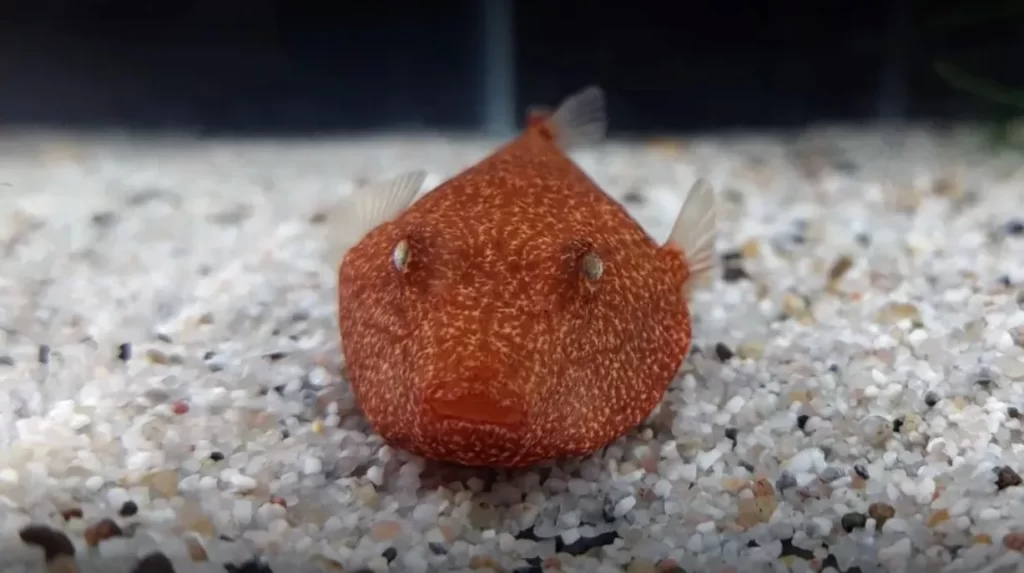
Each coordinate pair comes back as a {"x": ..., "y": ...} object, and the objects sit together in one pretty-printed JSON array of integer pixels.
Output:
[{"x": 301, "y": 67}]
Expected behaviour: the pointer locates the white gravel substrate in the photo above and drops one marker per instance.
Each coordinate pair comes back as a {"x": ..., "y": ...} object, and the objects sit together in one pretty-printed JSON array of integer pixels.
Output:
[{"x": 814, "y": 410}]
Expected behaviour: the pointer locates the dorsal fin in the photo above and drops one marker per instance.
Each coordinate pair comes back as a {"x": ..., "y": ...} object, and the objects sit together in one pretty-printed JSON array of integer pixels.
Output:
[
  {"x": 579, "y": 121},
  {"x": 695, "y": 232},
  {"x": 368, "y": 207}
]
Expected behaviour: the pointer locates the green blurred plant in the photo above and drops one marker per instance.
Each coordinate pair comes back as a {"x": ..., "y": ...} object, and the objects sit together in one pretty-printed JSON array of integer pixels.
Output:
[{"x": 1002, "y": 105}]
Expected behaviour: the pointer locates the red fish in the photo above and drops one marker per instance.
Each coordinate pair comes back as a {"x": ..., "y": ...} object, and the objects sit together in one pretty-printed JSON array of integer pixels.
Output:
[{"x": 516, "y": 313}]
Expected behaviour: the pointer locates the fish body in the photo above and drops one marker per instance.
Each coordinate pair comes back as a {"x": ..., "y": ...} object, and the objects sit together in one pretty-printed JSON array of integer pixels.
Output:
[{"x": 516, "y": 313}]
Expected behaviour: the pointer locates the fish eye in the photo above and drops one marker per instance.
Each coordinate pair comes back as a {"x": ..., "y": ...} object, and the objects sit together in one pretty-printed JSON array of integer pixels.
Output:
[
  {"x": 400, "y": 256},
  {"x": 593, "y": 266}
]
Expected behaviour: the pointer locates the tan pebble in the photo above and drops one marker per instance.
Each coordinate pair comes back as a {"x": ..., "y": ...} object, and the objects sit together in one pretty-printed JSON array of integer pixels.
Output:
[
  {"x": 857, "y": 482},
  {"x": 641, "y": 566},
  {"x": 750, "y": 350},
  {"x": 949, "y": 186},
  {"x": 157, "y": 356},
  {"x": 983, "y": 539},
  {"x": 193, "y": 519},
  {"x": 163, "y": 483},
  {"x": 1014, "y": 541},
  {"x": 938, "y": 517},
  {"x": 763, "y": 488},
  {"x": 753, "y": 511},
  {"x": 894, "y": 312},
  {"x": 101, "y": 531},
  {"x": 196, "y": 551},
  {"x": 386, "y": 530},
  {"x": 881, "y": 512},
  {"x": 734, "y": 484},
  {"x": 327, "y": 563},
  {"x": 795, "y": 306},
  {"x": 802, "y": 396},
  {"x": 62, "y": 564},
  {"x": 751, "y": 249}
]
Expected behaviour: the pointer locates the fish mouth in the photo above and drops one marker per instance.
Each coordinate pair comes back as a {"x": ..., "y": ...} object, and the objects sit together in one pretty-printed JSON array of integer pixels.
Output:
[{"x": 495, "y": 407}]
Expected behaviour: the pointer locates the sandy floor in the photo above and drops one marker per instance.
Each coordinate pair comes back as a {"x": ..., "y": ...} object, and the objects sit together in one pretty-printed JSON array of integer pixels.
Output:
[{"x": 169, "y": 351}]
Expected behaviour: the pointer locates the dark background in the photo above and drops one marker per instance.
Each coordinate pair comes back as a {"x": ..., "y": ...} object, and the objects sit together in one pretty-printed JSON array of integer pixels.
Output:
[{"x": 294, "y": 66}]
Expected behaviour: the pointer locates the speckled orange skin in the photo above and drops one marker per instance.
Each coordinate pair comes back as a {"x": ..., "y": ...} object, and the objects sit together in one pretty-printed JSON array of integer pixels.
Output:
[{"x": 494, "y": 320}]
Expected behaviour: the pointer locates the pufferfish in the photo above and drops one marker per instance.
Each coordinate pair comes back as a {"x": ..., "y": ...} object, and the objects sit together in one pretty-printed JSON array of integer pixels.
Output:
[{"x": 516, "y": 313}]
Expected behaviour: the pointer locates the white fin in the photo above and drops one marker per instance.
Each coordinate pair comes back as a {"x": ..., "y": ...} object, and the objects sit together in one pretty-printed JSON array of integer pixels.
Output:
[
  {"x": 367, "y": 208},
  {"x": 580, "y": 120},
  {"x": 695, "y": 232}
]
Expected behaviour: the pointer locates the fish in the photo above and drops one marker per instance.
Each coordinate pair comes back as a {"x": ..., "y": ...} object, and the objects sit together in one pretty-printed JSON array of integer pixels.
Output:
[{"x": 515, "y": 313}]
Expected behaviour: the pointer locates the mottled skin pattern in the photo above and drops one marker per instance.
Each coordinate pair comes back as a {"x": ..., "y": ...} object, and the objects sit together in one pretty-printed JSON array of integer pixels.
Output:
[{"x": 493, "y": 348}]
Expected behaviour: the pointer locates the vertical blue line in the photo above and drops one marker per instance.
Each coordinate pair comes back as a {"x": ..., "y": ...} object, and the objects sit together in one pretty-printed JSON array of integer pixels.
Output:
[
  {"x": 893, "y": 94},
  {"x": 497, "y": 73}
]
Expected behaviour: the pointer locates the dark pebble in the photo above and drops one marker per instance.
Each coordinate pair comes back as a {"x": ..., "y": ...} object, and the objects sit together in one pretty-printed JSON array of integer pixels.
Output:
[
  {"x": 897, "y": 424},
  {"x": 1013, "y": 412},
  {"x": 1004, "y": 281},
  {"x": 54, "y": 543},
  {"x": 723, "y": 352},
  {"x": 861, "y": 471},
  {"x": 863, "y": 240},
  {"x": 734, "y": 273},
  {"x": 585, "y": 544},
  {"x": 104, "y": 218},
  {"x": 790, "y": 550},
  {"x": 43, "y": 355},
  {"x": 209, "y": 354},
  {"x": 853, "y": 520},
  {"x": 1014, "y": 227},
  {"x": 731, "y": 434},
  {"x": 300, "y": 315},
  {"x": 733, "y": 256},
  {"x": 275, "y": 356},
  {"x": 124, "y": 351},
  {"x": 984, "y": 382},
  {"x": 785, "y": 481},
  {"x": 254, "y": 565},
  {"x": 154, "y": 563},
  {"x": 437, "y": 548},
  {"x": 128, "y": 509},
  {"x": 1006, "y": 477},
  {"x": 390, "y": 553},
  {"x": 6, "y": 360},
  {"x": 931, "y": 399},
  {"x": 216, "y": 456},
  {"x": 801, "y": 421},
  {"x": 164, "y": 337}
]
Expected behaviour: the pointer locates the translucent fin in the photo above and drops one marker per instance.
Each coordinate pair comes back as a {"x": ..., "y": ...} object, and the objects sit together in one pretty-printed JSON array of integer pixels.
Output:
[
  {"x": 580, "y": 120},
  {"x": 368, "y": 207},
  {"x": 695, "y": 232}
]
